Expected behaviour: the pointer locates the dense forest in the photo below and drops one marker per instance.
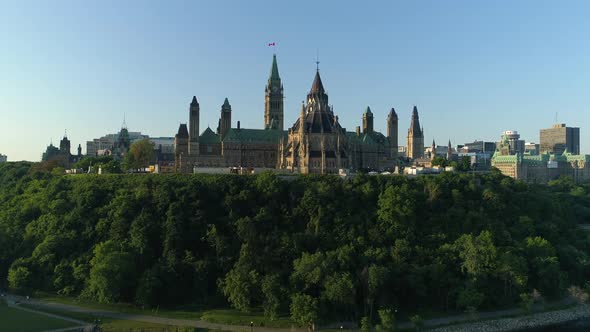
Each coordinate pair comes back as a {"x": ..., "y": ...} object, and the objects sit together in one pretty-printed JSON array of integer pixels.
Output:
[{"x": 305, "y": 246}]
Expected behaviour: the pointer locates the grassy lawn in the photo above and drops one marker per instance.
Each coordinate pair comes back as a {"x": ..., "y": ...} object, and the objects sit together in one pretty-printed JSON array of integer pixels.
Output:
[
  {"x": 220, "y": 316},
  {"x": 235, "y": 317},
  {"x": 109, "y": 324},
  {"x": 16, "y": 320},
  {"x": 181, "y": 313}
]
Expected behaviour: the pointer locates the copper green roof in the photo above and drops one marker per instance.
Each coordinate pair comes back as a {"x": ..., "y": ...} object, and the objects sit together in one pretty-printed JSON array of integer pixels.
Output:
[
  {"x": 254, "y": 135},
  {"x": 274, "y": 70},
  {"x": 373, "y": 138},
  {"x": 209, "y": 137},
  {"x": 368, "y": 111}
]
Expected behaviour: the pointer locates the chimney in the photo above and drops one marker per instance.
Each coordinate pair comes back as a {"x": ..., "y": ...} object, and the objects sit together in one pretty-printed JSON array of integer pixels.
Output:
[
  {"x": 238, "y": 125},
  {"x": 358, "y": 130}
]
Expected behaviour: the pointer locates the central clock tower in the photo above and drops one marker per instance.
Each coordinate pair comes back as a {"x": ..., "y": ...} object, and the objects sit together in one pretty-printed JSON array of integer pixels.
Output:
[{"x": 273, "y": 99}]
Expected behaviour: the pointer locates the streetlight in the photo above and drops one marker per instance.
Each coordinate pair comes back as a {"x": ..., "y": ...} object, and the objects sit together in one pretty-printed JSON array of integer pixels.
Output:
[{"x": 251, "y": 326}]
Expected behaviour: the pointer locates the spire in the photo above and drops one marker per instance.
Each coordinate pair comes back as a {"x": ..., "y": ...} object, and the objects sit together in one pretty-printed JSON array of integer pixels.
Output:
[
  {"x": 317, "y": 87},
  {"x": 226, "y": 104},
  {"x": 368, "y": 111},
  {"x": 274, "y": 70},
  {"x": 392, "y": 114},
  {"x": 433, "y": 150},
  {"x": 449, "y": 151},
  {"x": 415, "y": 124},
  {"x": 194, "y": 102}
]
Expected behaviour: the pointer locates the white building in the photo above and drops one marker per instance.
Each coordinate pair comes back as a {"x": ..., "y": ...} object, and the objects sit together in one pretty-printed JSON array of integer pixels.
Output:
[{"x": 3, "y": 158}]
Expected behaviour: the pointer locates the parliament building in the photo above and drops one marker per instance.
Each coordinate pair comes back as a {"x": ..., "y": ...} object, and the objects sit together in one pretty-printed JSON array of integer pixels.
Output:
[{"x": 315, "y": 143}]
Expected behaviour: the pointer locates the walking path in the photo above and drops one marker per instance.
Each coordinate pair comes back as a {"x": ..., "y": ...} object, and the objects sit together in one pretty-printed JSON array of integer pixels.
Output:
[{"x": 431, "y": 323}]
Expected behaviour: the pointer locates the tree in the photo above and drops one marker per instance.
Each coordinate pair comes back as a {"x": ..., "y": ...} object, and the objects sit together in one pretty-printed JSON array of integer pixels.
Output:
[
  {"x": 478, "y": 254},
  {"x": 239, "y": 286},
  {"x": 365, "y": 324},
  {"x": 304, "y": 309},
  {"x": 19, "y": 279},
  {"x": 440, "y": 161},
  {"x": 387, "y": 318},
  {"x": 141, "y": 154},
  {"x": 339, "y": 289},
  {"x": 112, "y": 276},
  {"x": 271, "y": 291}
]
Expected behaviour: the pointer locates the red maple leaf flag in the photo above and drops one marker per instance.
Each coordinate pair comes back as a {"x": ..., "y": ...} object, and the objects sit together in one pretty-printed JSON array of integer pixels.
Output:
[{"x": 271, "y": 44}]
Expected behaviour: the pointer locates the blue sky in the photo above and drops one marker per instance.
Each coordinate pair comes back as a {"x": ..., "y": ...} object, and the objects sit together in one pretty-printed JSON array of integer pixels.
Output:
[{"x": 473, "y": 68}]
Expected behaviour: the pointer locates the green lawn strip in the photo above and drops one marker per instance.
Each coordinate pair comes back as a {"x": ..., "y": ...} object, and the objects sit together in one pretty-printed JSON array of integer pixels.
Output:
[
  {"x": 17, "y": 320},
  {"x": 219, "y": 316},
  {"x": 235, "y": 317},
  {"x": 106, "y": 323},
  {"x": 181, "y": 313}
]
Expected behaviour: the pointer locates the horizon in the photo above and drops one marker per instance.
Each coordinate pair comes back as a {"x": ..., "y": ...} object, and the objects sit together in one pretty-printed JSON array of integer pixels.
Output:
[{"x": 474, "y": 70}]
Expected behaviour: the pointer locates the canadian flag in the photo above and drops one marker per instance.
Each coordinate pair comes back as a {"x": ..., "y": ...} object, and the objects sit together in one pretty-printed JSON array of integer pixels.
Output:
[{"x": 271, "y": 44}]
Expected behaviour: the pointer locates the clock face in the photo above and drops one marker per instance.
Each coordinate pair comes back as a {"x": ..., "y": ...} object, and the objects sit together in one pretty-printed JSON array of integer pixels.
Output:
[{"x": 275, "y": 89}]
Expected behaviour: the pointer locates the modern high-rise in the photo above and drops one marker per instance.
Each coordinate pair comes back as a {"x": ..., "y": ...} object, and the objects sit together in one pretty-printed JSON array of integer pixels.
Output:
[
  {"x": 560, "y": 138},
  {"x": 510, "y": 142}
]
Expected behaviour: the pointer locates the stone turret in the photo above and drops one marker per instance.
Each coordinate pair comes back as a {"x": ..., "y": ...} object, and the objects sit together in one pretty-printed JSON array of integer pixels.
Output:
[
  {"x": 368, "y": 121},
  {"x": 181, "y": 146},
  {"x": 194, "y": 114},
  {"x": 392, "y": 133},
  {"x": 225, "y": 120}
]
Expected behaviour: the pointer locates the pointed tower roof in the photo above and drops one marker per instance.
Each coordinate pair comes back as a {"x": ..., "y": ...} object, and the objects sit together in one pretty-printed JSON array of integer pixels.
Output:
[
  {"x": 194, "y": 102},
  {"x": 226, "y": 106},
  {"x": 274, "y": 70},
  {"x": 182, "y": 131},
  {"x": 392, "y": 114},
  {"x": 449, "y": 143},
  {"x": 368, "y": 111},
  {"x": 415, "y": 124},
  {"x": 317, "y": 86}
]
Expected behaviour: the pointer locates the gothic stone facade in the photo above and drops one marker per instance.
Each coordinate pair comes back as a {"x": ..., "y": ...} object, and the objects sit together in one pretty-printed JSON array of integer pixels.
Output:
[{"x": 316, "y": 143}]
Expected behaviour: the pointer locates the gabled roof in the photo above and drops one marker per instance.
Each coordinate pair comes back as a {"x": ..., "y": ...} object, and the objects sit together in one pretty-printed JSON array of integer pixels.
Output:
[{"x": 209, "y": 137}]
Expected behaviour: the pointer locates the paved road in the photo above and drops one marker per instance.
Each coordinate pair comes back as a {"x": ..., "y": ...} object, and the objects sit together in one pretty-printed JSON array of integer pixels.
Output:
[{"x": 213, "y": 326}]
